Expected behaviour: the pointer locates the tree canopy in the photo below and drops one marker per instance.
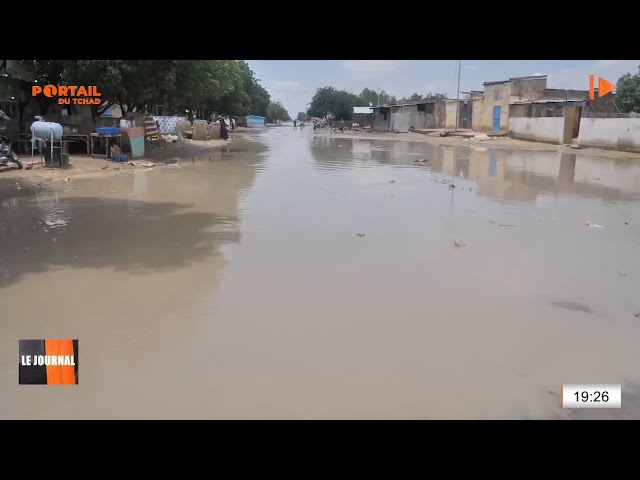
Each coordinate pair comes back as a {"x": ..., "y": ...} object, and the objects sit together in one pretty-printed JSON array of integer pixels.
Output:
[
  {"x": 221, "y": 86},
  {"x": 277, "y": 113},
  {"x": 628, "y": 92},
  {"x": 331, "y": 103}
]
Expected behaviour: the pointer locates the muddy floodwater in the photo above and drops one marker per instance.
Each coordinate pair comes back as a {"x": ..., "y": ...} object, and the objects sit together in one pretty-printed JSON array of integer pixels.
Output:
[{"x": 311, "y": 277}]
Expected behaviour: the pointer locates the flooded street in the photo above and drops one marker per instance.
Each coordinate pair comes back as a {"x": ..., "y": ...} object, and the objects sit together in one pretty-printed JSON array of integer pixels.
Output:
[{"x": 301, "y": 276}]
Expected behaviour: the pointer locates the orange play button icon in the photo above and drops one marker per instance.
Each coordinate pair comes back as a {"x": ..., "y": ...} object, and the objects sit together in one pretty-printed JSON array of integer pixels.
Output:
[{"x": 604, "y": 87}]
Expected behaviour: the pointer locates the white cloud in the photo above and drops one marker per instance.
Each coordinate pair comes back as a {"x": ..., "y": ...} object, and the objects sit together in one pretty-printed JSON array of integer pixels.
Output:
[{"x": 370, "y": 66}]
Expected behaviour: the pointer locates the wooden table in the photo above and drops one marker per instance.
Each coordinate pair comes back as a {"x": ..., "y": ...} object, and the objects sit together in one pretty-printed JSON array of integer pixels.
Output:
[
  {"x": 78, "y": 137},
  {"x": 106, "y": 137}
]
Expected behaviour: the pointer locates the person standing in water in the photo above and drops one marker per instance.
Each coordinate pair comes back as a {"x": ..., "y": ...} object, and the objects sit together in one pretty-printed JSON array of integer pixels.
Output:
[
  {"x": 224, "y": 133},
  {"x": 294, "y": 123}
]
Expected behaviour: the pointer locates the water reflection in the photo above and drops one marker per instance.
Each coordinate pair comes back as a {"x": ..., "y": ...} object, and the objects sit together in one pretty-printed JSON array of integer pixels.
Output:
[{"x": 511, "y": 175}]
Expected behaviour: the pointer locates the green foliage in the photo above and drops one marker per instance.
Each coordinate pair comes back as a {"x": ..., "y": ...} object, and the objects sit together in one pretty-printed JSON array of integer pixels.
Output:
[
  {"x": 224, "y": 86},
  {"x": 373, "y": 98},
  {"x": 301, "y": 117},
  {"x": 277, "y": 113},
  {"x": 628, "y": 92},
  {"x": 329, "y": 102}
]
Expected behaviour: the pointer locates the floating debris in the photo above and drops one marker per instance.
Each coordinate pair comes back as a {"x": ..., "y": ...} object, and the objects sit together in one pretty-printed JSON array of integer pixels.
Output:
[
  {"x": 105, "y": 167},
  {"x": 424, "y": 160},
  {"x": 360, "y": 235},
  {"x": 590, "y": 224},
  {"x": 451, "y": 186},
  {"x": 492, "y": 221},
  {"x": 637, "y": 315},
  {"x": 392, "y": 181},
  {"x": 459, "y": 243},
  {"x": 622, "y": 273}
]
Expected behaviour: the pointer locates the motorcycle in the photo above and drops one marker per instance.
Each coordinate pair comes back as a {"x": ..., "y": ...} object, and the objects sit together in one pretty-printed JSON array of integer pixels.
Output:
[{"x": 7, "y": 156}]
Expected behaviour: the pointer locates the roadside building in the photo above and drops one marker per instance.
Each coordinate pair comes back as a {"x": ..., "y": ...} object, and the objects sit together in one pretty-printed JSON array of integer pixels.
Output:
[
  {"x": 570, "y": 117},
  {"x": 418, "y": 115},
  {"x": 491, "y": 109},
  {"x": 362, "y": 116}
]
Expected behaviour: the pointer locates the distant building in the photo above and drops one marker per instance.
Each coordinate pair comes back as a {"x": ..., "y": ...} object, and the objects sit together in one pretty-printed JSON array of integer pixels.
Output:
[
  {"x": 362, "y": 116},
  {"x": 403, "y": 117}
]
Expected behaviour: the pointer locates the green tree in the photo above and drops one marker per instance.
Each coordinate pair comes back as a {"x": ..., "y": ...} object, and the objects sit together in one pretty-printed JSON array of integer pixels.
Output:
[
  {"x": 628, "y": 92},
  {"x": 247, "y": 95},
  {"x": 329, "y": 102},
  {"x": 301, "y": 117},
  {"x": 373, "y": 97},
  {"x": 277, "y": 113}
]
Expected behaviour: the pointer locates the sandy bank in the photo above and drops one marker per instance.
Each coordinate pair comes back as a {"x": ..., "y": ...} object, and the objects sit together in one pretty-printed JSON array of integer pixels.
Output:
[
  {"x": 498, "y": 142},
  {"x": 82, "y": 166}
]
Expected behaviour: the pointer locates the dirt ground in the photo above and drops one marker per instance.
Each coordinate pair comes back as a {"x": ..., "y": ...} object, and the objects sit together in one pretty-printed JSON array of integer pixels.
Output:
[
  {"x": 86, "y": 166},
  {"x": 496, "y": 142}
]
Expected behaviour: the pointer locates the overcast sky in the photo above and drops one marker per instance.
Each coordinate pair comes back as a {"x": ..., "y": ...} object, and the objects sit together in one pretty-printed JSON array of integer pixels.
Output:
[{"x": 294, "y": 82}]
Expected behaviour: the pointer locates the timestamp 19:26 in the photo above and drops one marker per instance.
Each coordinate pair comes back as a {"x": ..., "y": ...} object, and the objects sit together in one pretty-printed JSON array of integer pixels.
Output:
[{"x": 591, "y": 396}]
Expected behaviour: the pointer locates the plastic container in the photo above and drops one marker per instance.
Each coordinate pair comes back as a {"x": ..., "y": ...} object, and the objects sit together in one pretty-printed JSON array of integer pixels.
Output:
[
  {"x": 123, "y": 157},
  {"x": 107, "y": 131}
]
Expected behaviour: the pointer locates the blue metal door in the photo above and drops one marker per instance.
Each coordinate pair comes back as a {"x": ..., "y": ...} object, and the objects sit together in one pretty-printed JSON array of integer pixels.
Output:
[{"x": 496, "y": 119}]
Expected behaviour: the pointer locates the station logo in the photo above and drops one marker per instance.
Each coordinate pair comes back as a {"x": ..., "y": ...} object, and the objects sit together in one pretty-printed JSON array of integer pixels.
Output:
[
  {"x": 69, "y": 94},
  {"x": 48, "y": 362}
]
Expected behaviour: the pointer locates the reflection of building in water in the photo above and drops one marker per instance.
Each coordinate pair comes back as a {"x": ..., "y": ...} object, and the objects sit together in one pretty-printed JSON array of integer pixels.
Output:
[{"x": 522, "y": 175}]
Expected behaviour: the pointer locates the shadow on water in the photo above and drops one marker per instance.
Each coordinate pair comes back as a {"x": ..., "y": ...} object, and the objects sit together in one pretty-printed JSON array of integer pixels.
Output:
[{"x": 93, "y": 232}]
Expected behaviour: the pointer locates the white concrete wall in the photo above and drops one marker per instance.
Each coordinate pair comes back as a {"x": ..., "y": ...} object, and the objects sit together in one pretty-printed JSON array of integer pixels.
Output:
[
  {"x": 617, "y": 133},
  {"x": 543, "y": 129}
]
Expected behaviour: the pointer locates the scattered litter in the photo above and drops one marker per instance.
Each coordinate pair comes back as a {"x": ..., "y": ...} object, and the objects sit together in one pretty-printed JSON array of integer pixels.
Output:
[
  {"x": 424, "y": 160},
  {"x": 637, "y": 315},
  {"x": 140, "y": 163},
  {"x": 392, "y": 181},
  {"x": 469, "y": 188},
  {"x": 482, "y": 138},
  {"x": 459, "y": 243},
  {"x": 53, "y": 239},
  {"x": 360, "y": 235},
  {"x": 67, "y": 179},
  {"x": 492, "y": 221},
  {"x": 507, "y": 225},
  {"x": 621, "y": 273},
  {"x": 452, "y": 186},
  {"x": 626, "y": 223},
  {"x": 593, "y": 225},
  {"x": 105, "y": 167},
  {"x": 575, "y": 147}
]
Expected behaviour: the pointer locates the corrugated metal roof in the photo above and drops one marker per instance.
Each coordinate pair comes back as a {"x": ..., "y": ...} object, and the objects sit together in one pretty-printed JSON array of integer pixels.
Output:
[
  {"x": 549, "y": 100},
  {"x": 362, "y": 110},
  {"x": 532, "y": 77}
]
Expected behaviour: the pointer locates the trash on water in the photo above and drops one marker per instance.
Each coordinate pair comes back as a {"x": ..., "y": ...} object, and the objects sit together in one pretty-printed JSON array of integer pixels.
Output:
[
  {"x": 451, "y": 186},
  {"x": 360, "y": 235},
  {"x": 482, "y": 138},
  {"x": 590, "y": 224},
  {"x": 392, "y": 181},
  {"x": 459, "y": 243},
  {"x": 622, "y": 273},
  {"x": 423, "y": 160}
]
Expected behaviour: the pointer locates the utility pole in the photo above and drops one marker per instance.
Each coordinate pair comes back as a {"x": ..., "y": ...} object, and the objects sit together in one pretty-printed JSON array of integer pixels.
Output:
[{"x": 458, "y": 95}]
